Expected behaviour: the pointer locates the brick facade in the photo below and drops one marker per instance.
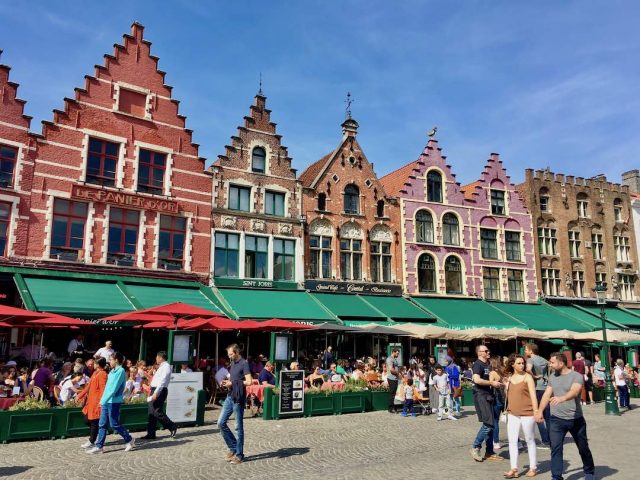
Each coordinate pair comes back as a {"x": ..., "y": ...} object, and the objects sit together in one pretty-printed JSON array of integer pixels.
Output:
[{"x": 584, "y": 234}]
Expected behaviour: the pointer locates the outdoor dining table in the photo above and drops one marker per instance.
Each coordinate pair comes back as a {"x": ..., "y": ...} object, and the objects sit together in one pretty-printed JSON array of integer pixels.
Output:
[
  {"x": 7, "y": 402},
  {"x": 257, "y": 390}
]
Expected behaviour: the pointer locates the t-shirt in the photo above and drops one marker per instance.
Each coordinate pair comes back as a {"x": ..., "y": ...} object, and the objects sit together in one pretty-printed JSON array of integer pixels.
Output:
[
  {"x": 598, "y": 371},
  {"x": 482, "y": 369},
  {"x": 340, "y": 370},
  {"x": 539, "y": 367},
  {"x": 65, "y": 390},
  {"x": 441, "y": 382},
  {"x": 221, "y": 375},
  {"x": 266, "y": 376},
  {"x": 619, "y": 375},
  {"x": 238, "y": 371},
  {"x": 392, "y": 364},
  {"x": 41, "y": 378},
  {"x": 578, "y": 366},
  {"x": 561, "y": 384},
  {"x": 408, "y": 392}
]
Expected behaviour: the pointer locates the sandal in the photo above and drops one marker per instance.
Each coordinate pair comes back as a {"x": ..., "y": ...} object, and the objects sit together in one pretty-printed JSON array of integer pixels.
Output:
[
  {"x": 513, "y": 473},
  {"x": 532, "y": 472}
]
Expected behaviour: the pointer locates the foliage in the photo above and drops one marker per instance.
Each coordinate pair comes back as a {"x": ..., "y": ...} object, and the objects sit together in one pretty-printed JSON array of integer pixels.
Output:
[
  {"x": 381, "y": 387},
  {"x": 355, "y": 385},
  {"x": 73, "y": 403},
  {"x": 30, "y": 403},
  {"x": 467, "y": 384},
  {"x": 136, "y": 399}
]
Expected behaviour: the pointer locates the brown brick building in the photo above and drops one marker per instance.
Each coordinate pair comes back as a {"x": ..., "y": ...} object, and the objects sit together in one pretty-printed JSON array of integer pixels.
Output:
[
  {"x": 584, "y": 235},
  {"x": 352, "y": 232}
]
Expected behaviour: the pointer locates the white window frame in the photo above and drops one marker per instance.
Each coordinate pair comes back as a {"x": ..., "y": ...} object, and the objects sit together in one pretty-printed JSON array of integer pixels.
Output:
[
  {"x": 574, "y": 244},
  {"x": 121, "y": 155},
  {"x": 117, "y": 86},
  {"x": 166, "y": 185}
]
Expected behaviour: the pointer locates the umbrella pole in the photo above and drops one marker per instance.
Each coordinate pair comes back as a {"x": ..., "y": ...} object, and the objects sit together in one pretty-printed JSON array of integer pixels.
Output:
[
  {"x": 40, "y": 355},
  {"x": 31, "y": 355},
  {"x": 198, "y": 350},
  {"x": 141, "y": 343},
  {"x": 217, "y": 355}
]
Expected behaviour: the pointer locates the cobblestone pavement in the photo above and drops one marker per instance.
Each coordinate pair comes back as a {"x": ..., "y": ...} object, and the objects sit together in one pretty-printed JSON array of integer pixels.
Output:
[{"x": 374, "y": 445}]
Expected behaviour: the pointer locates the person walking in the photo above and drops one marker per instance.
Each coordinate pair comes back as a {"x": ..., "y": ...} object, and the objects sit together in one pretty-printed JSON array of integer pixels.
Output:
[
  {"x": 93, "y": 394},
  {"x": 159, "y": 391},
  {"x": 538, "y": 368},
  {"x": 598, "y": 371},
  {"x": 497, "y": 375},
  {"x": 620, "y": 377},
  {"x": 483, "y": 401},
  {"x": 580, "y": 367},
  {"x": 453, "y": 371},
  {"x": 110, "y": 403},
  {"x": 240, "y": 378},
  {"x": 393, "y": 371},
  {"x": 521, "y": 406},
  {"x": 563, "y": 394}
]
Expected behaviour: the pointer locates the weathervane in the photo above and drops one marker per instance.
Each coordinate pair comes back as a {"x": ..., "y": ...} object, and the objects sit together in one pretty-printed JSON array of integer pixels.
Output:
[
  {"x": 432, "y": 133},
  {"x": 348, "y": 101},
  {"x": 260, "y": 89}
]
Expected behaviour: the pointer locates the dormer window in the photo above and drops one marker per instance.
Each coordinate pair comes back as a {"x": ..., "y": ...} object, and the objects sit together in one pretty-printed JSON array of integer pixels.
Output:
[
  {"x": 434, "y": 187},
  {"x": 380, "y": 209},
  {"x": 351, "y": 199},
  {"x": 322, "y": 202},
  {"x": 258, "y": 160},
  {"x": 497, "y": 202},
  {"x": 583, "y": 205}
]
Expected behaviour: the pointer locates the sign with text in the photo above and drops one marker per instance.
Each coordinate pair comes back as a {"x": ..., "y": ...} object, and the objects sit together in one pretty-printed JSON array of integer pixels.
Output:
[
  {"x": 291, "y": 392},
  {"x": 353, "y": 287},
  {"x": 182, "y": 398},
  {"x": 123, "y": 199},
  {"x": 254, "y": 283}
]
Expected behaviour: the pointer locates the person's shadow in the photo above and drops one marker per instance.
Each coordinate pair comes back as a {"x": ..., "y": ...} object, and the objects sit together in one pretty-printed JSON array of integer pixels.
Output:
[
  {"x": 602, "y": 471},
  {"x": 15, "y": 470},
  {"x": 282, "y": 453}
]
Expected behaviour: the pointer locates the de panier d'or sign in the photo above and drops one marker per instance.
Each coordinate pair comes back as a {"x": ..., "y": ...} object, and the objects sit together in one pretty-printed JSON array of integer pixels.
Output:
[
  {"x": 353, "y": 287},
  {"x": 124, "y": 199}
]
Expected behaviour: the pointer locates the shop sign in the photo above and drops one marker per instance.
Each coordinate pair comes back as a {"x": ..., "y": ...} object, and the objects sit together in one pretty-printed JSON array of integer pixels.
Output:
[
  {"x": 123, "y": 199},
  {"x": 182, "y": 397},
  {"x": 254, "y": 283},
  {"x": 353, "y": 287},
  {"x": 291, "y": 396}
]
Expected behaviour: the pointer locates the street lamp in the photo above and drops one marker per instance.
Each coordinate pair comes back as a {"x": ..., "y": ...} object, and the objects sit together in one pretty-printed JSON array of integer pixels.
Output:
[{"x": 610, "y": 402}]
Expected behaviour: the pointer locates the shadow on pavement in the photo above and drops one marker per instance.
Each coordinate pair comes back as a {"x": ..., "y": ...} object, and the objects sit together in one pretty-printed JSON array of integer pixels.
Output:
[
  {"x": 155, "y": 444},
  {"x": 15, "y": 470},
  {"x": 601, "y": 472},
  {"x": 282, "y": 453}
]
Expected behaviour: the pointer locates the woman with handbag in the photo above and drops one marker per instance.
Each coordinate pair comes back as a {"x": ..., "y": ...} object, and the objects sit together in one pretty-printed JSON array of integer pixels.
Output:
[
  {"x": 520, "y": 408},
  {"x": 497, "y": 374},
  {"x": 93, "y": 395}
]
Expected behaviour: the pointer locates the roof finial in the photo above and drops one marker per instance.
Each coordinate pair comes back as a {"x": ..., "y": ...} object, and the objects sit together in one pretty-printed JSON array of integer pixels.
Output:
[
  {"x": 348, "y": 101},
  {"x": 260, "y": 89},
  {"x": 432, "y": 133}
]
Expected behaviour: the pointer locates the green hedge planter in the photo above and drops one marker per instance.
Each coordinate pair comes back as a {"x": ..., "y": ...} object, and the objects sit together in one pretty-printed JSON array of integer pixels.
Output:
[
  {"x": 598, "y": 394},
  {"x": 350, "y": 402},
  {"x": 379, "y": 400},
  {"x": 634, "y": 392},
  {"x": 467, "y": 397},
  {"x": 27, "y": 425},
  {"x": 317, "y": 404}
]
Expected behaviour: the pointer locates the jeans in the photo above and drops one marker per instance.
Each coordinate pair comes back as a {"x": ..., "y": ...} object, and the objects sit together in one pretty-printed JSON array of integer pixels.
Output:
[
  {"x": 558, "y": 429},
  {"x": 485, "y": 434},
  {"x": 623, "y": 395},
  {"x": 110, "y": 417},
  {"x": 408, "y": 408},
  {"x": 393, "y": 386},
  {"x": 543, "y": 427},
  {"x": 456, "y": 402},
  {"x": 514, "y": 423},
  {"x": 497, "y": 411},
  {"x": 234, "y": 443},
  {"x": 444, "y": 405},
  {"x": 155, "y": 414}
]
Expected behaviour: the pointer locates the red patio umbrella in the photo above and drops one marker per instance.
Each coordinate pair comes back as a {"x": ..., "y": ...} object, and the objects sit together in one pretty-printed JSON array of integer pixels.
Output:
[
  {"x": 168, "y": 313},
  {"x": 279, "y": 324},
  {"x": 13, "y": 315},
  {"x": 215, "y": 323},
  {"x": 54, "y": 320}
]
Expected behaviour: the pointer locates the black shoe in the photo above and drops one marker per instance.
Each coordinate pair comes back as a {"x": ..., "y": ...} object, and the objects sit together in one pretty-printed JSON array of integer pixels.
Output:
[
  {"x": 147, "y": 437},
  {"x": 173, "y": 432}
]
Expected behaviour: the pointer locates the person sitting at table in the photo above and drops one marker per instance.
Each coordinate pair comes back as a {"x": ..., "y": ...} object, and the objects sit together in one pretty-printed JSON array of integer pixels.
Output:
[
  {"x": 340, "y": 367},
  {"x": 294, "y": 366},
  {"x": 266, "y": 376},
  {"x": 316, "y": 379},
  {"x": 358, "y": 372},
  {"x": 222, "y": 374},
  {"x": 42, "y": 377},
  {"x": 132, "y": 387},
  {"x": 23, "y": 381},
  {"x": 79, "y": 368},
  {"x": 70, "y": 387},
  {"x": 334, "y": 376},
  {"x": 64, "y": 372}
]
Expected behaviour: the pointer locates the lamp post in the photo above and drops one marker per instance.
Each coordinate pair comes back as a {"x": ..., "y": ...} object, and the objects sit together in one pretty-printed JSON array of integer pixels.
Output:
[{"x": 610, "y": 402}]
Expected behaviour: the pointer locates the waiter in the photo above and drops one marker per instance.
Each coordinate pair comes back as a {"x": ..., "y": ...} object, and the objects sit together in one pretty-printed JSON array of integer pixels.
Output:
[{"x": 159, "y": 390}]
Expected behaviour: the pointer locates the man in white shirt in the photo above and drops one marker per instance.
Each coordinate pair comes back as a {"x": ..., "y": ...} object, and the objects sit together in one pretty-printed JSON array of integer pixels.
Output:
[
  {"x": 620, "y": 378},
  {"x": 106, "y": 351},
  {"x": 159, "y": 390}
]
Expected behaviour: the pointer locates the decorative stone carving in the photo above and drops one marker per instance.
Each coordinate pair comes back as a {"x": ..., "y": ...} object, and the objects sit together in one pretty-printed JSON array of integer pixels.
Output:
[
  {"x": 351, "y": 230},
  {"x": 285, "y": 228},
  {"x": 228, "y": 222},
  {"x": 321, "y": 227},
  {"x": 258, "y": 225},
  {"x": 381, "y": 233}
]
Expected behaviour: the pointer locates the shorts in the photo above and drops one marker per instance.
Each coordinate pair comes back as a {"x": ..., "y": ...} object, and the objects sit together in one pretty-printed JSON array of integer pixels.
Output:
[{"x": 588, "y": 385}]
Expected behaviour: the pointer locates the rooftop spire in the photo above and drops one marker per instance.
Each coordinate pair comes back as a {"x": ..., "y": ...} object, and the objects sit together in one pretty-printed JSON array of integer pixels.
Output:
[
  {"x": 348, "y": 101},
  {"x": 260, "y": 88}
]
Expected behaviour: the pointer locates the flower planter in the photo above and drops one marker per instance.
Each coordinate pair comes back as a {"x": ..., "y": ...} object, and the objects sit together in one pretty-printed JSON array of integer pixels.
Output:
[
  {"x": 350, "y": 402},
  {"x": 598, "y": 394},
  {"x": 467, "y": 397},
  {"x": 379, "y": 400},
  {"x": 634, "y": 391},
  {"x": 70, "y": 422},
  {"x": 318, "y": 404},
  {"x": 27, "y": 425}
]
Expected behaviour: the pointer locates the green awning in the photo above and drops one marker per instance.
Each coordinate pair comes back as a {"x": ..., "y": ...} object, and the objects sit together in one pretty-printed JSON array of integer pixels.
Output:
[
  {"x": 359, "y": 323},
  {"x": 592, "y": 320},
  {"x": 466, "y": 313},
  {"x": 619, "y": 315},
  {"x": 153, "y": 295},
  {"x": 399, "y": 309},
  {"x": 540, "y": 316},
  {"x": 79, "y": 298},
  {"x": 345, "y": 306},
  {"x": 266, "y": 304}
]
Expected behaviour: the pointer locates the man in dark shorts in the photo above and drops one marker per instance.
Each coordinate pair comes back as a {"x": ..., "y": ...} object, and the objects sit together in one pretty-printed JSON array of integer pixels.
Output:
[
  {"x": 483, "y": 399},
  {"x": 393, "y": 372}
]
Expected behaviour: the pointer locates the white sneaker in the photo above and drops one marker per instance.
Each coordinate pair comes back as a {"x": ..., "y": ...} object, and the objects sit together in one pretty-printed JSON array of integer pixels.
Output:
[
  {"x": 130, "y": 445},
  {"x": 451, "y": 417},
  {"x": 497, "y": 446},
  {"x": 95, "y": 450},
  {"x": 439, "y": 418},
  {"x": 87, "y": 444}
]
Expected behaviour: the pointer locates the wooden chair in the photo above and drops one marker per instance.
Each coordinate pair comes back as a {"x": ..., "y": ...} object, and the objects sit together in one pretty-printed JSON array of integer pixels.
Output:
[{"x": 37, "y": 393}]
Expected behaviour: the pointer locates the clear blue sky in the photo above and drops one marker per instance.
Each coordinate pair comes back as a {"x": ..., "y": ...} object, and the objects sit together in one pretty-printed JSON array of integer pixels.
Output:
[{"x": 543, "y": 83}]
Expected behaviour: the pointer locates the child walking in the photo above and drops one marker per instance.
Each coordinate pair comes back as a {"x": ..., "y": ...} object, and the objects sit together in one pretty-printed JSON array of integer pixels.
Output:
[
  {"x": 442, "y": 386},
  {"x": 409, "y": 392}
]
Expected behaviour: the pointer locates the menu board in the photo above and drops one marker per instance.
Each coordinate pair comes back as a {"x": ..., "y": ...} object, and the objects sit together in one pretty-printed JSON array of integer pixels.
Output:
[
  {"x": 181, "y": 345},
  {"x": 291, "y": 392},
  {"x": 182, "y": 399}
]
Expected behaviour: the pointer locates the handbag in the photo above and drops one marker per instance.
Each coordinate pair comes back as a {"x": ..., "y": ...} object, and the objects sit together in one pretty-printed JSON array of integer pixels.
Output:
[
  {"x": 503, "y": 415},
  {"x": 457, "y": 392}
]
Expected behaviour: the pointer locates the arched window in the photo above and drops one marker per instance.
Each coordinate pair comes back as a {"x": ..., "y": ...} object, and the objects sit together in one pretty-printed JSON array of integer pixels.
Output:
[
  {"x": 450, "y": 229},
  {"x": 544, "y": 200},
  {"x": 424, "y": 227},
  {"x": 322, "y": 202},
  {"x": 380, "y": 209},
  {"x": 434, "y": 187},
  {"x": 351, "y": 199},
  {"x": 426, "y": 273},
  {"x": 617, "y": 210},
  {"x": 258, "y": 160},
  {"x": 583, "y": 205},
  {"x": 453, "y": 275}
]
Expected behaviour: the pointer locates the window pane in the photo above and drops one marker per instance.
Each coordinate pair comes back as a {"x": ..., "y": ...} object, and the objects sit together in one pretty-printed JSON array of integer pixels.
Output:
[
  {"x": 233, "y": 241},
  {"x": 289, "y": 247},
  {"x": 269, "y": 208},
  {"x": 244, "y": 199},
  {"x": 234, "y": 198}
]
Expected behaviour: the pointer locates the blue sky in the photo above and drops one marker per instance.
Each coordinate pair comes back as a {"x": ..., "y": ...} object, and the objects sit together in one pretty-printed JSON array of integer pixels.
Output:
[{"x": 545, "y": 84}]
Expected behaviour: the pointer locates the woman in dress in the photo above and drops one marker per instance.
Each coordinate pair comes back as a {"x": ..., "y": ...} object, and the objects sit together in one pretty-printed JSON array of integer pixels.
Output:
[{"x": 93, "y": 394}]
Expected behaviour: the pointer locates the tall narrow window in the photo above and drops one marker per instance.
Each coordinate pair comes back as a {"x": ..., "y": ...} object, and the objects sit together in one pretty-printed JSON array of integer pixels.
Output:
[
  {"x": 424, "y": 227},
  {"x": 434, "y": 187},
  {"x": 550, "y": 281},
  {"x": 489, "y": 243},
  {"x": 617, "y": 210},
  {"x": 583, "y": 205},
  {"x": 547, "y": 241},
  {"x": 426, "y": 273},
  {"x": 512, "y": 244},
  {"x": 274, "y": 203},
  {"x": 380, "y": 209},
  {"x": 320, "y": 260},
  {"x": 258, "y": 160},
  {"x": 453, "y": 275},
  {"x": 284, "y": 252},
  {"x": 545, "y": 205},
  {"x": 351, "y": 199},
  {"x": 102, "y": 162},
  {"x": 497, "y": 202},
  {"x": 239, "y": 198},
  {"x": 380, "y": 262},
  {"x": 351, "y": 259},
  {"x": 622, "y": 247},
  {"x": 516, "y": 285},
  {"x": 227, "y": 252},
  {"x": 574, "y": 243},
  {"x": 322, "y": 202},
  {"x": 491, "y": 283},
  {"x": 151, "y": 171},
  {"x": 597, "y": 246},
  {"x": 5, "y": 220},
  {"x": 8, "y": 158},
  {"x": 256, "y": 253},
  {"x": 173, "y": 235},
  {"x": 123, "y": 236},
  {"x": 578, "y": 283},
  {"x": 601, "y": 277},
  {"x": 67, "y": 237},
  {"x": 626, "y": 284},
  {"x": 450, "y": 229}
]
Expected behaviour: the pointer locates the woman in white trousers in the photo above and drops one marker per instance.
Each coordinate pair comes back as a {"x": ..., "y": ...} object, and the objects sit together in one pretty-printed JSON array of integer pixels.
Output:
[{"x": 521, "y": 406}]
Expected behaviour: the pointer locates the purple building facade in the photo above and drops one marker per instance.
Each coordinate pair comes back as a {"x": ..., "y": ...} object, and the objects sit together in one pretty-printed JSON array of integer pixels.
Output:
[{"x": 475, "y": 240}]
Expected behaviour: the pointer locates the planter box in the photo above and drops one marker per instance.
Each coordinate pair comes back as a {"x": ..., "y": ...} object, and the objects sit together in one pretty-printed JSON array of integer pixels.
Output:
[
  {"x": 318, "y": 404},
  {"x": 350, "y": 402},
  {"x": 70, "y": 422},
  {"x": 467, "y": 397},
  {"x": 27, "y": 425},
  {"x": 598, "y": 394},
  {"x": 634, "y": 391},
  {"x": 379, "y": 400}
]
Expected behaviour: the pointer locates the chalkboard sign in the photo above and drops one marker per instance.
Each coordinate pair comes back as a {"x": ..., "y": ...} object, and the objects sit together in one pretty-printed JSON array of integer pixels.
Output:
[{"x": 291, "y": 392}]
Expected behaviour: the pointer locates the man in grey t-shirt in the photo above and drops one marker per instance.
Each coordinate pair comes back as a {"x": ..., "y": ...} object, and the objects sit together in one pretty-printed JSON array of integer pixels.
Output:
[
  {"x": 563, "y": 394},
  {"x": 393, "y": 371},
  {"x": 538, "y": 368}
]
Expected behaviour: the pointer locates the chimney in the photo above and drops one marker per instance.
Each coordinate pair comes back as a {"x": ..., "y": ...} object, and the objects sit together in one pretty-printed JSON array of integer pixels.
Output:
[{"x": 632, "y": 179}]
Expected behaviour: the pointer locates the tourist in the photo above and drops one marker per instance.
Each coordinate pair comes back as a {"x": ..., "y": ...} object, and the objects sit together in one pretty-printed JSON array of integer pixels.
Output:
[
  {"x": 234, "y": 404},
  {"x": 588, "y": 381},
  {"x": 409, "y": 391},
  {"x": 327, "y": 358},
  {"x": 89, "y": 367},
  {"x": 431, "y": 371},
  {"x": 453, "y": 372},
  {"x": 184, "y": 368},
  {"x": 468, "y": 373},
  {"x": 497, "y": 375},
  {"x": 579, "y": 367},
  {"x": 93, "y": 394},
  {"x": 483, "y": 401},
  {"x": 316, "y": 379},
  {"x": 393, "y": 371},
  {"x": 522, "y": 405},
  {"x": 266, "y": 377},
  {"x": 443, "y": 387},
  {"x": 358, "y": 372},
  {"x": 110, "y": 403},
  {"x": 222, "y": 374},
  {"x": 538, "y": 368},
  {"x": 159, "y": 391},
  {"x": 620, "y": 380},
  {"x": 64, "y": 372},
  {"x": 43, "y": 378},
  {"x": 563, "y": 394},
  {"x": 133, "y": 387},
  {"x": 70, "y": 387},
  {"x": 105, "y": 352},
  {"x": 598, "y": 371},
  {"x": 23, "y": 381}
]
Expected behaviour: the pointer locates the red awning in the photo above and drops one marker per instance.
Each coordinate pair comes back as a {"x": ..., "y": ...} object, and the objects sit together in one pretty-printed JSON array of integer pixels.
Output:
[
  {"x": 168, "y": 313},
  {"x": 54, "y": 320}
]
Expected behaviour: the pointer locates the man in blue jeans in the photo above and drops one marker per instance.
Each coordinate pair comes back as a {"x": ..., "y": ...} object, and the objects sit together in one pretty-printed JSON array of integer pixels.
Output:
[
  {"x": 563, "y": 394},
  {"x": 538, "y": 368},
  {"x": 239, "y": 379}
]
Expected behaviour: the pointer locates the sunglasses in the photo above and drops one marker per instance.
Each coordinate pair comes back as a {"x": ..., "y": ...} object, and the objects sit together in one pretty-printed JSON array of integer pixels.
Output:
[{"x": 484, "y": 351}]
